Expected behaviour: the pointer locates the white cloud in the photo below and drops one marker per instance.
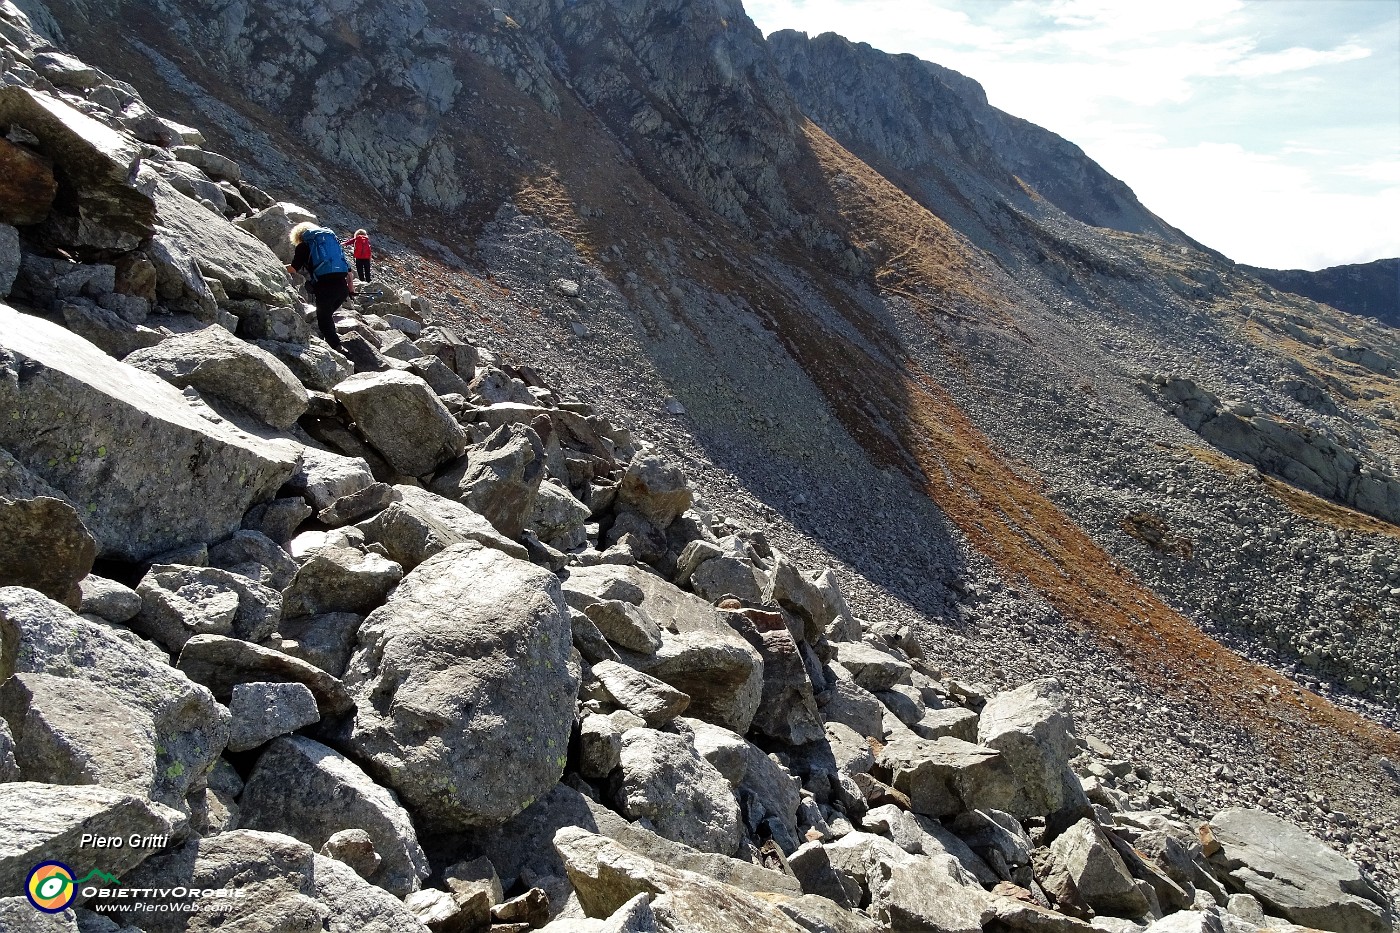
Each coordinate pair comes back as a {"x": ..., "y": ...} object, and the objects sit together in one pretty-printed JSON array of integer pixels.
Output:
[
  {"x": 1258, "y": 209},
  {"x": 1295, "y": 59}
]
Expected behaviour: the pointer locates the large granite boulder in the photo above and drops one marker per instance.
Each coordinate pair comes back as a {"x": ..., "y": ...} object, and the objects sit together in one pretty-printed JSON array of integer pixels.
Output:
[
  {"x": 44, "y": 546},
  {"x": 419, "y": 524},
  {"x": 147, "y": 471},
  {"x": 285, "y": 887},
  {"x": 102, "y": 211},
  {"x": 304, "y": 789},
  {"x": 946, "y": 776},
  {"x": 722, "y": 676},
  {"x": 1294, "y": 875},
  {"x": 221, "y": 664},
  {"x": 655, "y": 489},
  {"x": 499, "y": 479},
  {"x": 179, "y": 602},
  {"x": 607, "y": 875},
  {"x": 465, "y": 689},
  {"x": 173, "y": 729},
  {"x": 47, "y": 822},
  {"x": 234, "y": 258},
  {"x": 665, "y": 780},
  {"x": 787, "y": 711},
  {"x": 1084, "y": 869},
  {"x": 401, "y": 416},
  {"x": 230, "y": 370},
  {"x": 1033, "y": 729}
]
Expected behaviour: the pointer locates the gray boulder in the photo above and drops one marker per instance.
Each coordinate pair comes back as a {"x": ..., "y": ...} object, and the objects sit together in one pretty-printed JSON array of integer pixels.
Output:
[
  {"x": 402, "y": 418},
  {"x": 498, "y": 479},
  {"x": 787, "y": 711},
  {"x": 1084, "y": 869},
  {"x": 288, "y": 887},
  {"x": 106, "y": 212},
  {"x": 273, "y": 226},
  {"x": 221, "y": 664},
  {"x": 655, "y": 489},
  {"x": 187, "y": 728},
  {"x": 520, "y": 848},
  {"x": 607, "y": 876},
  {"x": 728, "y": 576},
  {"x": 600, "y": 746},
  {"x": 326, "y": 641},
  {"x": 1033, "y": 729},
  {"x": 9, "y": 768},
  {"x": 314, "y": 363},
  {"x": 179, "y": 602},
  {"x": 355, "y": 848},
  {"x": 44, "y": 546},
  {"x": 926, "y": 894},
  {"x": 872, "y": 668},
  {"x": 722, "y": 676},
  {"x": 471, "y": 640},
  {"x": 1294, "y": 875},
  {"x": 68, "y": 731},
  {"x": 325, "y": 477},
  {"x": 768, "y": 794},
  {"x": 224, "y": 253},
  {"x": 419, "y": 524},
  {"x": 625, "y": 625},
  {"x": 340, "y": 579},
  {"x": 666, "y": 781},
  {"x": 653, "y": 700},
  {"x": 304, "y": 789},
  {"x": 145, "y": 469},
  {"x": 43, "y": 822},
  {"x": 108, "y": 599},
  {"x": 230, "y": 370},
  {"x": 261, "y": 712},
  {"x": 947, "y": 776},
  {"x": 256, "y": 556}
]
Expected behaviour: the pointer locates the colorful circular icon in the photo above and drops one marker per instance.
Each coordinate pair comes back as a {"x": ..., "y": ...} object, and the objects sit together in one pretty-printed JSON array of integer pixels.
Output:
[{"x": 50, "y": 887}]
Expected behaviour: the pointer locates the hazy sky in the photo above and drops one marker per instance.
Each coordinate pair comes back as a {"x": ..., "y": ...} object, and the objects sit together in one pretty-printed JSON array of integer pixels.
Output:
[{"x": 1267, "y": 129}]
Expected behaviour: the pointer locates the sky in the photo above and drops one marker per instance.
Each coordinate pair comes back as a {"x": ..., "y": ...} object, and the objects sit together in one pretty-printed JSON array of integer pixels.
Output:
[{"x": 1266, "y": 129}]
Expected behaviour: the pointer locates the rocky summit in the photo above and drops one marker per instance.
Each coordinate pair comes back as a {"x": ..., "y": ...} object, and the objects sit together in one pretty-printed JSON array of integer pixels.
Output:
[{"x": 764, "y": 489}]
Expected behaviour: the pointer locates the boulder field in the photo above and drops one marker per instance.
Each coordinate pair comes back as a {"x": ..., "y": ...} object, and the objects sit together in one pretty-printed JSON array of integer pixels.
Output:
[{"x": 403, "y": 639}]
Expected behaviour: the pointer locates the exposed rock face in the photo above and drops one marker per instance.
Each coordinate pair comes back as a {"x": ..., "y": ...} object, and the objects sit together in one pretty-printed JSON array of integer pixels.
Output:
[
  {"x": 1294, "y": 875},
  {"x": 145, "y": 469},
  {"x": 1371, "y": 288},
  {"x": 1303, "y": 456},
  {"x": 470, "y": 640},
  {"x": 919, "y": 117},
  {"x": 1086, "y": 869}
]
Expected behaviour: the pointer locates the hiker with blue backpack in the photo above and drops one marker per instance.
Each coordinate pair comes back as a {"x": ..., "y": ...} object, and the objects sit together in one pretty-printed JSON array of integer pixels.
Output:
[{"x": 319, "y": 256}]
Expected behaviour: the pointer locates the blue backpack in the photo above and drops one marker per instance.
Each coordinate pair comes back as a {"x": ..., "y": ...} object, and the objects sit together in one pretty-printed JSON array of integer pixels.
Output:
[{"x": 327, "y": 258}]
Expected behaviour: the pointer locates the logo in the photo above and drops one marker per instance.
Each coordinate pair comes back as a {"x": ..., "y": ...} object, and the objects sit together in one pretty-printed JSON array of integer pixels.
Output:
[{"x": 52, "y": 888}]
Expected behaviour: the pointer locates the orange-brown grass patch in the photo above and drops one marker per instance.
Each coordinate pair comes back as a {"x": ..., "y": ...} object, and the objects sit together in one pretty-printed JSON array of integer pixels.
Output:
[{"x": 917, "y": 255}]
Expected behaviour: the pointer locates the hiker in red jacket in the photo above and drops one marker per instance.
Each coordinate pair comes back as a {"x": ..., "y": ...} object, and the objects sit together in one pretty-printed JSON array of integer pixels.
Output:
[{"x": 362, "y": 253}]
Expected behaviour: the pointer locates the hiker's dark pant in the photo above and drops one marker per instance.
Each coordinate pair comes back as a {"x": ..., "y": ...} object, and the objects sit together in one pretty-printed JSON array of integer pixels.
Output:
[
  {"x": 329, "y": 295},
  {"x": 362, "y": 270}
]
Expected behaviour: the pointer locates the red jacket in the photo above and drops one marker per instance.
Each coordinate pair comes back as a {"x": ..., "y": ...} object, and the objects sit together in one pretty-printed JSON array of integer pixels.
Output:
[{"x": 361, "y": 244}]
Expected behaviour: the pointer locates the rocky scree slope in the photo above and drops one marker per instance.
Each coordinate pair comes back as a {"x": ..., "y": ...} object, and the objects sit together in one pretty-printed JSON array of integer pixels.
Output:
[
  {"x": 417, "y": 642},
  {"x": 946, "y": 400}
]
